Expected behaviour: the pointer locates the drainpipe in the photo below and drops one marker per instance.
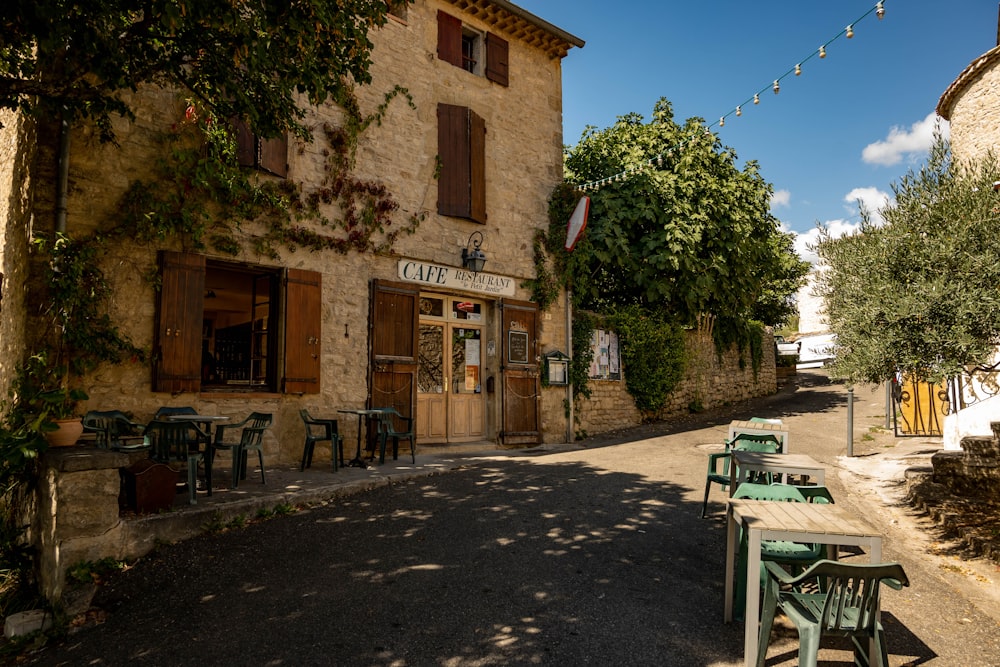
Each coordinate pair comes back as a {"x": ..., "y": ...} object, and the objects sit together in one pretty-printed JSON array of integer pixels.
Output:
[
  {"x": 569, "y": 353},
  {"x": 62, "y": 176}
]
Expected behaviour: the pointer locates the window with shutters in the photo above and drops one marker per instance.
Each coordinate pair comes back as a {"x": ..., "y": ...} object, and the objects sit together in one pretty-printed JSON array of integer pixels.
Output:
[
  {"x": 270, "y": 155},
  {"x": 472, "y": 50},
  {"x": 219, "y": 325},
  {"x": 462, "y": 154}
]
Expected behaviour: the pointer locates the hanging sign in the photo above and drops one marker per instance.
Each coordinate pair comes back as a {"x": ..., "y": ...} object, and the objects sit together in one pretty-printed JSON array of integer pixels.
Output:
[
  {"x": 577, "y": 222},
  {"x": 435, "y": 275}
]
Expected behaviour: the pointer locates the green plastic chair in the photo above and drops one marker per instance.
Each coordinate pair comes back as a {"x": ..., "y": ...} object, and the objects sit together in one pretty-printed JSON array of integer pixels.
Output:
[
  {"x": 847, "y": 607},
  {"x": 718, "y": 463},
  {"x": 114, "y": 430},
  {"x": 816, "y": 494},
  {"x": 387, "y": 419},
  {"x": 793, "y": 554},
  {"x": 321, "y": 430},
  {"x": 180, "y": 441},
  {"x": 251, "y": 438}
]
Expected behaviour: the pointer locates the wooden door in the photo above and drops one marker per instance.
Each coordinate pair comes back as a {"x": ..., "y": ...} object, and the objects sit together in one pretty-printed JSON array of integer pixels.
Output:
[
  {"x": 394, "y": 346},
  {"x": 520, "y": 373}
]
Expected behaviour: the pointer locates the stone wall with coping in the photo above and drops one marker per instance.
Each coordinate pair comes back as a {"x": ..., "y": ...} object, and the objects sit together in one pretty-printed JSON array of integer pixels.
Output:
[{"x": 709, "y": 381}]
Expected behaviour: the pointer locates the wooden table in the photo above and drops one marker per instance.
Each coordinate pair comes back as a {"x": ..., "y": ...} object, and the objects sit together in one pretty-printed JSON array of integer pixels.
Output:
[
  {"x": 795, "y": 522},
  {"x": 743, "y": 463},
  {"x": 779, "y": 431}
]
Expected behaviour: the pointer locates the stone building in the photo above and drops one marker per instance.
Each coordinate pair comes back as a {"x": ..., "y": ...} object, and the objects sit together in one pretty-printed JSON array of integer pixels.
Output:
[{"x": 475, "y": 157}]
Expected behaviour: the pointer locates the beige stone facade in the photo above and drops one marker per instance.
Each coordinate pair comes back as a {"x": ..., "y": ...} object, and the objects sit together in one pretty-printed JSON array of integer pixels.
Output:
[{"x": 970, "y": 104}]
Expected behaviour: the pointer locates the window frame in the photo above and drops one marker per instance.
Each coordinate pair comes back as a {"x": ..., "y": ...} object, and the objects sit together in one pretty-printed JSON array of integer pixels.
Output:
[
  {"x": 256, "y": 152},
  {"x": 178, "y": 334},
  {"x": 491, "y": 52}
]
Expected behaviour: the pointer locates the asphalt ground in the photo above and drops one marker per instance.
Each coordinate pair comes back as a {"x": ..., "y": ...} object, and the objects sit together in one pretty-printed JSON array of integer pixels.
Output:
[{"x": 593, "y": 553}]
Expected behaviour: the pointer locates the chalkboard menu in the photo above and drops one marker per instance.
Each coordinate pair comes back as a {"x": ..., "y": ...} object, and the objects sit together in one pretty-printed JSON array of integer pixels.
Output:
[{"x": 517, "y": 347}]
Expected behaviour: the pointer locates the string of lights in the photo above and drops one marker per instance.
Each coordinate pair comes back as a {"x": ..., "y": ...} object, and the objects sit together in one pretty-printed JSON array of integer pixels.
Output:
[{"x": 775, "y": 86}]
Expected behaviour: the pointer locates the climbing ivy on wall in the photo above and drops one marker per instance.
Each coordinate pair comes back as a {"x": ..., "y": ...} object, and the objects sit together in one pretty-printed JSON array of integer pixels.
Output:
[
  {"x": 201, "y": 194},
  {"x": 653, "y": 354}
]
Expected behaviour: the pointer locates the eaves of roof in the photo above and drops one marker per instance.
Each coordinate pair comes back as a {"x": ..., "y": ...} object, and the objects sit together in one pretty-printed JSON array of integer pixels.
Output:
[
  {"x": 965, "y": 79},
  {"x": 508, "y": 18}
]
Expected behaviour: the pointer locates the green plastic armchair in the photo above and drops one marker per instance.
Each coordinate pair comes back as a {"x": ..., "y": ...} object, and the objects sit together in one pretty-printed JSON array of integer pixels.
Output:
[
  {"x": 793, "y": 554},
  {"x": 180, "y": 441},
  {"x": 251, "y": 438},
  {"x": 321, "y": 430},
  {"x": 848, "y": 606},
  {"x": 387, "y": 419},
  {"x": 114, "y": 430},
  {"x": 718, "y": 463}
]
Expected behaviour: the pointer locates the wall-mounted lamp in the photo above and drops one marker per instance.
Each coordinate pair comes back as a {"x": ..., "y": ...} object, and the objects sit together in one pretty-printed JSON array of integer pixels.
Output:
[{"x": 474, "y": 259}]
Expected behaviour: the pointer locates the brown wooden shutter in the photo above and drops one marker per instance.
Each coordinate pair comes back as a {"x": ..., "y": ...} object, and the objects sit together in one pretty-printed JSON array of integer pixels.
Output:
[
  {"x": 274, "y": 155},
  {"x": 395, "y": 309},
  {"x": 454, "y": 195},
  {"x": 177, "y": 344},
  {"x": 497, "y": 51},
  {"x": 246, "y": 144},
  {"x": 449, "y": 39},
  {"x": 477, "y": 168},
  {"x": 303, "y": 330},
  {"x": 519, "y": 367}
]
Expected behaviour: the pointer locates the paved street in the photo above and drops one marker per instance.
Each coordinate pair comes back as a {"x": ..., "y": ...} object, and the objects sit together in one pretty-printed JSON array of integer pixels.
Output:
[{"x": 567, "y": 555}]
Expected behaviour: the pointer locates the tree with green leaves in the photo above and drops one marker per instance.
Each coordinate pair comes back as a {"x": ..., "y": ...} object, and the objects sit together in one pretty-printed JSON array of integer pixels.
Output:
[
  {"x": 253, "y": 60},
  {"x": 919, "y": 293},
  {"x": 684, "y": 231}
]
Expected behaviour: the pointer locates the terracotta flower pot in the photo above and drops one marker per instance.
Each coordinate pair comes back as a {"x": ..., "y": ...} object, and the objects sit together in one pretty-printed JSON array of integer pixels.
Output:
[{"x": 67, "y": 434}]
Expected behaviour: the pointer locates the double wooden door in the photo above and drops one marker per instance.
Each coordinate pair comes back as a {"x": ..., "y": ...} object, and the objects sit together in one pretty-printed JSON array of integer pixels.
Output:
[{"x": 451, "y": 403}]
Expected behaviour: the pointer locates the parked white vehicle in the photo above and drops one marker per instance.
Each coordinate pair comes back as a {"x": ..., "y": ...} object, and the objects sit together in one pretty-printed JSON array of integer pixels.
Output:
[
  {"x": 785, "y": 348},
  {"x": 816, "y": 350}
]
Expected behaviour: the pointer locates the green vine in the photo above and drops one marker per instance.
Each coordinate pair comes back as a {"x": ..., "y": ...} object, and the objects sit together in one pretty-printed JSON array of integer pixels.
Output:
[
  {"x": 745, "y": 337},
  {"x": 653, "y": 355},
  {"x": 202, "y": 194},
  {"x": 583, "y": 354}
]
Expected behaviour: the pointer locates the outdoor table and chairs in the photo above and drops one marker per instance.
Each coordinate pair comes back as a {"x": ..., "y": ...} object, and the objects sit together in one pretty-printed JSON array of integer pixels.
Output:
[
  {"x": 745, "y": 464},
  {"x": 806, "y": 522},
  {"x": 757, "y": 426}
]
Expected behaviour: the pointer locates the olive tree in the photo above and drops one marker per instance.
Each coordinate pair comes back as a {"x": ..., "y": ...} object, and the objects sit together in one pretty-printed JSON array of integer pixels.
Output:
[{"x": 921, "y": 292}]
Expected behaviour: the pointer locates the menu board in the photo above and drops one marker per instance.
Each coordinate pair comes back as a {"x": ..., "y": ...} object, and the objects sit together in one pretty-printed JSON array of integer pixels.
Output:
[{"x": 517, "y": 347}]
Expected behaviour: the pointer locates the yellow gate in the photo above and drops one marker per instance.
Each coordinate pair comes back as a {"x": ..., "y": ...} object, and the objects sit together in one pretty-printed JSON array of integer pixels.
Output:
[{"x": 920, "y": 406}]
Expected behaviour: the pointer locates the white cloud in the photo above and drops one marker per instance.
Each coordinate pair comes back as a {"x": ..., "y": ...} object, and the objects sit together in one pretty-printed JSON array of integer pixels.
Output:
[
  {"x": 836, "y": 228},
  {"x": 873, "y": 199},
  {"x": 902, "y": 142},
  {"x": 781, "y": 198}
]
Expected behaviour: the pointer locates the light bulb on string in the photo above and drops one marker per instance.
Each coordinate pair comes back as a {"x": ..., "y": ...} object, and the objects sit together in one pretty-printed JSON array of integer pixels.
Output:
[
  {"x": 739, "y": 111},
  {"x": 776, "y": 87},
  {"x": 722, "y": 121},
  {"x": 822, "y": 52},
  {"x": 798, "y": 69},
  {"x": 849, "y": 31},
  {"x": 880, "y": 10},
  {"x": 756, "y": 98}
]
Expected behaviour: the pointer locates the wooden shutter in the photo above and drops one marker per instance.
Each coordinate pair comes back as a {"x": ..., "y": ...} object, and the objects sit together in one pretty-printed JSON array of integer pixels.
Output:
[
  {"x": 477, "y": 168},
  {"x": 177, "y": 344},
  {"x": 449, "y": 39},
  {"x": 519, "y": 368},
  {"x": 395, "y": 309},
  {"x": 303, "y": 330},
  {"x": 246, "y": 144},
  {"x": 274, "y": 155},
  {"x": 454, "y": 195},
  {"x": 497, "y": 51}
]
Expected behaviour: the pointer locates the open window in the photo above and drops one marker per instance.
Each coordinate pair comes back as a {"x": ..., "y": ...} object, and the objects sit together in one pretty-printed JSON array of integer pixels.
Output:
[
  {"x": 462, "y": 151},
  {"x": 221, "y": 325},
  {"x": 472, "y": 50}
]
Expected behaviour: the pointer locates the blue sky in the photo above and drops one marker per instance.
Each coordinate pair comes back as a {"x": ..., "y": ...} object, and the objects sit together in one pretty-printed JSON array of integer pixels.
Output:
[{"x": 845, "y": 129}]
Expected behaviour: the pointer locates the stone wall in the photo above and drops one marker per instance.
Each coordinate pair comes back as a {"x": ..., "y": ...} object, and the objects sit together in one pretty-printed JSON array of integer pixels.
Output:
[
  {"x": 709, "y": 382},
  {"x": 17, "y": 153},
  {"x": 975, "y": 114}
]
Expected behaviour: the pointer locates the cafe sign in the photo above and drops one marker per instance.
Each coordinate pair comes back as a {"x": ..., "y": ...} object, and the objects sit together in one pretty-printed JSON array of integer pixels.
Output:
[{"x": 437, "y": 276}]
